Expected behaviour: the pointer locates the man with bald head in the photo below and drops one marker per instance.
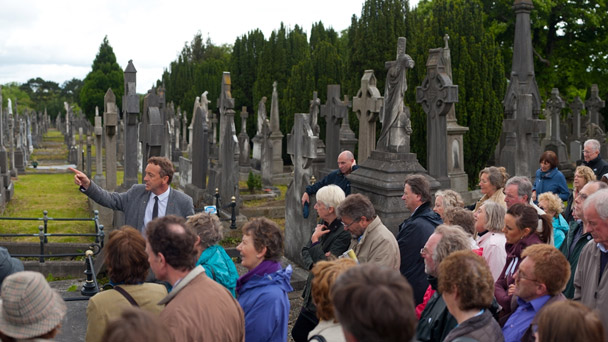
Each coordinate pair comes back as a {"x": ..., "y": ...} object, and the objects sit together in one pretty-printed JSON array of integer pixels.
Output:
[
  {"x": 346, "y": 164},
  {"x": 578, "y": 236}
]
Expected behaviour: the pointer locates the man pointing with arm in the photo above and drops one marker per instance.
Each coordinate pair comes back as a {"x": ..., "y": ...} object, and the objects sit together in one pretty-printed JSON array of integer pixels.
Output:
[{"x": 142, "y": 202}]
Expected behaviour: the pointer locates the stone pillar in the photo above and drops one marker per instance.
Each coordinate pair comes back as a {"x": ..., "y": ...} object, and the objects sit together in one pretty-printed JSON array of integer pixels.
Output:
[
  {"x": 99, "y": 178},
  {"x": 110, "y": 120},
  {"x": 576, "y": 147},
  {"x": 130, "y": 104},
  {"x": 276, "y": 137}
]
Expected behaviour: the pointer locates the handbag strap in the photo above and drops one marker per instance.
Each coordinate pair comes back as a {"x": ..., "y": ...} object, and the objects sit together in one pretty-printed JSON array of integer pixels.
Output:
[
  {"x": 126, "y": 295},
  {"x": 317, "y": 338}
]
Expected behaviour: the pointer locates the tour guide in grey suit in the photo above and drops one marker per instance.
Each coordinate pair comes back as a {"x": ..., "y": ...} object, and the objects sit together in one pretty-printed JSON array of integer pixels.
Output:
[{"x": 138, "y": 202}]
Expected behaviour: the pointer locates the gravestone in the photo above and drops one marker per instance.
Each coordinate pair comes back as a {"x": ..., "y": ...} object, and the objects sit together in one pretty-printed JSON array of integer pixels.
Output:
[
  {"x": 11, "y": 138},
  {"x": 80, "y": 159},
  {"x": 267, "y": 155},
  {"x": 520, "y": 142},
  {"x": 367, "y": 105},
  {"x": 276, "y": 137},
  {"x": 576, "y": 147},
  {"x": 594, "y": 123},
  {"x": 437, "y": 96},
  {"x": 200, "y": 155},
  {"x": 4, "y": 174},
  {"x": 553, "y": 141},
  {"x": 348, "y": 141},
  {"x": 20, "y": 148},
  {"x": 130, "y": 109},
  {"x": 333, "y": 110},
  {"x": 224, "y": 103},
  {"x": 185, "y": 172},
  {"x": 183, "y": 145},
  {"x": 244, "y": 161},
  {"x": 99, "y": 178},
  {"x": 257, "y": 139},
  {"x": 459, "y": 180},
  {"x": 301, "y": 147},
  {"x": 110, "y": 120},
  {"x": 381, "y": 176},
  {"x": 318, "y": 163},
  {"x": 89, "y": 160},
  {"x": 176, "y": 121},
  {"x": 229, "y": 181},
  {"x": 151, "y": 128},
  {"x": 197, "y": 103}
]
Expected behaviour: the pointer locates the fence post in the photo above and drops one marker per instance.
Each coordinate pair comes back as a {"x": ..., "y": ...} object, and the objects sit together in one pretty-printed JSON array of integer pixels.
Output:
[
  {"x": 42, "y": 239},
  {"x": 233, "y": 216},
  {"x": 90, "y": 285},
  {"x": 46, "y": 220},
  {"x": 217, "y": 201}
]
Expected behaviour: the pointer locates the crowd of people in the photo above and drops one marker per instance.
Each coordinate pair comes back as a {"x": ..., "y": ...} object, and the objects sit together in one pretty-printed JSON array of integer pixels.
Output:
[{"x": 514, "y": 266}]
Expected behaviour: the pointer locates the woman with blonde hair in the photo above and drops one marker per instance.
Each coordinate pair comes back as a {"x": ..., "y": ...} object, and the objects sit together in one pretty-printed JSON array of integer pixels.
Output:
[
  {"x": 491, "y": 182},
  {"x": 553, "y": 206},
  {"x": 582, "y": 176},
  {"x": 445, "y": 199}
]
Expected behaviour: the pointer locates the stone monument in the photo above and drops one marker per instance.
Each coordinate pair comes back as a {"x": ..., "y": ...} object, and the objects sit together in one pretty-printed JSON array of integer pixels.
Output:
[
  {"x": 594, "y": 123},
  {"x": 276, "y": 137},
  {"x": 333, "y": 110},
  {"x": 244, "y": 161},
  {"x": 99, "y": 178},
  {"x": 130, "y": 109},
  {"x": 348, "y": 141},
  {"x": 553, "y": 141},
  {"x": 367, "y": 105},
  {"x": 257, "y": 139},
  {"x": 576, "y": 146},
  {"x": 110, "y": 120},
  {"x": 200, "y": 155}
]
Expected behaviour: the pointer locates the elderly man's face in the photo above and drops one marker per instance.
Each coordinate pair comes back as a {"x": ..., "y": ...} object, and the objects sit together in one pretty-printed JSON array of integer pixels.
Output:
[
  {"x": 590, "y": 153},
  {"x": 511, "y": 196},
  {"x": 581, "y": 196},
  {"x": 427, "y": 254},
  {"x": 595, "y": 225},
  {"x": 344, "y": 163}
]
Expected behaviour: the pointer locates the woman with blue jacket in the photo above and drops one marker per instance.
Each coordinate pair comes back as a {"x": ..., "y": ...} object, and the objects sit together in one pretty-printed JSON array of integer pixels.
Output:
[
  {"x": 214, "y": 259},
  {"x": 262, "y": 292},
  {"x": 549, "y": 178}
]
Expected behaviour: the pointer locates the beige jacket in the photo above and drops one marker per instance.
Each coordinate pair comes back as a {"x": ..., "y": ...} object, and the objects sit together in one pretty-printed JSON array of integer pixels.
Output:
[
  {"x": 377, "y": 245},
  {"x": 587, "y": 289},
  {"x": 199, "y": 309},
  {"x": 109, "y": 305},
  {"x": 498, "y": 197}
]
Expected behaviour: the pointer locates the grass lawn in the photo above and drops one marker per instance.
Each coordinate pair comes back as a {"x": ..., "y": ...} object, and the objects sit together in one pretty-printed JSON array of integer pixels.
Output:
[{"x": 55, "y": 193}]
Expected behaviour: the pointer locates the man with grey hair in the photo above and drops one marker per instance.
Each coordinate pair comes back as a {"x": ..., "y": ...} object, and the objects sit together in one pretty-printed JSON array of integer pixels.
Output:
[
  {"x": 519, "y": 190},
  {"x": 591, "y": 158},
  {"x": 371, "y": 240},
  {"x": 436, "y": 321},
  {"x": 591, "y": 278},
  {"x": 578, "y": 236}
]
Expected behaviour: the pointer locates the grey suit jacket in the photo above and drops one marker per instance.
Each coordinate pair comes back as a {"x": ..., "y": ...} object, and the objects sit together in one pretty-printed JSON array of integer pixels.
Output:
[{"x": 133, "y": 202}]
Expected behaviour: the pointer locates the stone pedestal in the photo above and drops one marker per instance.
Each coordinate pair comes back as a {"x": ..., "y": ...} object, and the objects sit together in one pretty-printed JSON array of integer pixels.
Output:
[{"x": 381, "y": 178}]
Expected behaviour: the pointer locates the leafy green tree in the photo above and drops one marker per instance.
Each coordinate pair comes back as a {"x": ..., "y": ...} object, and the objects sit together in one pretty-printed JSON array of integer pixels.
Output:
[
  {"x": 14, "y": 92},
  {"x": 105, "y": 74}
]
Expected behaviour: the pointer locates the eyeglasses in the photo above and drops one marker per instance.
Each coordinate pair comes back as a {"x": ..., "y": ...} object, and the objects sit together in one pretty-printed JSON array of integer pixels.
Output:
[
  {"x": 350, "y": 224},
  {"x": 522, "y": 275},
  {"x": 587, "y": 152}
]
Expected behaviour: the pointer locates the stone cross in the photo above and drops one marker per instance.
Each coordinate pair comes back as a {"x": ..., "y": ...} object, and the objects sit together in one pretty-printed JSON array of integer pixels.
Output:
[
  {"x": 367, "y": 105},
  {"x": 301, "y": 144},
  {"x": 200, "y": 148},
  {"x": 276, "y": 137},
  {"x": 110, "y": 120},
  {"x": 348, "y": 141},
  {"x": 577, "y": 106},
  {"x": 333, "y": 110},
  {"x": 437, "y": 95},
  {"x": 395, "y": 117},
  {"x": 151, "y": 132},
  {"x": 244, "y": 140},
  {"x": 553, "y": 142},
  {"x": 594, "y": 104}
]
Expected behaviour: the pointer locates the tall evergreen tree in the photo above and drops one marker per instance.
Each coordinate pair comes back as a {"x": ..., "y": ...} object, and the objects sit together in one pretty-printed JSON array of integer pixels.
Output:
[{"x": 105, "y": 73}]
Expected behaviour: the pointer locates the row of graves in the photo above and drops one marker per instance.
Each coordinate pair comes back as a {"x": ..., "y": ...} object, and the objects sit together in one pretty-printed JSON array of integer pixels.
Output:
[
  {"x": 20, "y": 133},
  {"x": 219, "y": 156}
]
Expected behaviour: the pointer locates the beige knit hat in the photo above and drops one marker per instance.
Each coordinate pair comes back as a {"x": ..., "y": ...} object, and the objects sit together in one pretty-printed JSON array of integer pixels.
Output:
[{"x": 30, "y": 308}]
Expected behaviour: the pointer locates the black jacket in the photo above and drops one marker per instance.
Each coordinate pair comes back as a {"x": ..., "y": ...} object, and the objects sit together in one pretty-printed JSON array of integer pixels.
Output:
[
  {"x": 599, "y": 166},
  {"x": 436, "y": 321},
  {"x": 413, "y": 233},
  {"x": 335, "y": 177}
]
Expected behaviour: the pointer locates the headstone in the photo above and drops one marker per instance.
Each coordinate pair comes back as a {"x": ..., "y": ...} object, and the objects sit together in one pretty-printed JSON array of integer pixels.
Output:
[
  {"x": 110, "y": 120},
  {"x": 594, "y": 123},
  {"x": 11, "y": 130},
  {"x": 520, "y": 141},
  {"x": 301, "y": 147},
  {"x": 318, "y": 163},
  {"x": 185, "y": 172},
  {"x": 224, "y": 103},
  {"x": 80, "y": 163},
  {"x": 130, "y": 109},
  {"x": 459, "y": 180},
  {"x": 576, "y": 147},
  {"x": 553, "y": 141},
  {"x": 176, "y": 121},
  {"x": 99, "y": 178},
  {"x": 4, "y": 173},
  {"x": 381, "y": 176},
  {"x": 333, "y": 110},
  {"x": 437, "y": 96},
  {"x": 200, "y": 155},
  {"x": 276, "y": 137},
  {"x": 229, "y": 181},
  {"x": 151, "y": 128},
  {"x": 244, "y": 146},
  {"x": 348, "y": 141},
  {"x": 183, "y": 145},
  {"x": 257, "y": 139},
  {"x": 197, "y": 103},
  {"x": 367, "y": 105},
  {"x": 89, "y": 158},
  {"x": 267, "y": 155}
]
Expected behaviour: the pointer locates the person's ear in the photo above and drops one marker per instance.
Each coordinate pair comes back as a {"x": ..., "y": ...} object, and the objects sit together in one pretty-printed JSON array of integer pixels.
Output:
[{"x": 262, "y": 253}]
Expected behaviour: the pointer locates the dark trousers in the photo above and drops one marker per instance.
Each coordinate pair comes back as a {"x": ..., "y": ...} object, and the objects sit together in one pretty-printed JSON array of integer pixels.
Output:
[{"x": 304, "y": 324}]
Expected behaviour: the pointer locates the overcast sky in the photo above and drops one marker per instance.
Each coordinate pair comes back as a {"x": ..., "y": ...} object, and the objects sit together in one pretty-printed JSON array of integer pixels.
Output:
[{"x": 58, "y": 40}]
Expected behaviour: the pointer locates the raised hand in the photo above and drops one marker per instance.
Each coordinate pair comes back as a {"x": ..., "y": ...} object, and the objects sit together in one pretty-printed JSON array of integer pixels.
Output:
[{"x": 80, "y": 178}]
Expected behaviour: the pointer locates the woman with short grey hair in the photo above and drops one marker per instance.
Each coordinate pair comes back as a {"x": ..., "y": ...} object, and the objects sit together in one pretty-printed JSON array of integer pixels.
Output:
[
  {"x": 489, "y": 221},
  {"x": 214, "y": 259}
]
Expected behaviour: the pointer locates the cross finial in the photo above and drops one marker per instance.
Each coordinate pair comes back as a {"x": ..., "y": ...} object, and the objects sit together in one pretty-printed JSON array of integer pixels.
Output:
[{"x": 446, "y": 37}]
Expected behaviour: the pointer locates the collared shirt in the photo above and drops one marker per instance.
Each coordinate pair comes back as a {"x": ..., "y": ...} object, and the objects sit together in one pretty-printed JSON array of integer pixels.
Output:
[
  {"x": 520, "y": 320},
  {"x": 163, "y": 199}
]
